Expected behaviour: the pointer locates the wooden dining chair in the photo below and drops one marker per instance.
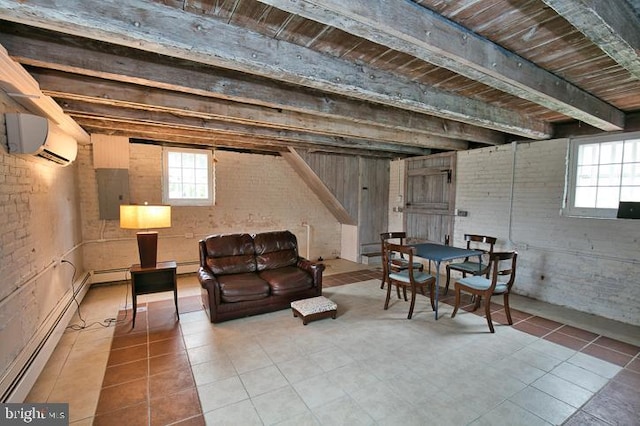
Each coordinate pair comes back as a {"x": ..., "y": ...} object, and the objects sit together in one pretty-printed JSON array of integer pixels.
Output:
[
  {"x": 411, "y": 279},
  {"x": 502, "y": 275},
  {"x": 471, "y": 265},
  {"x": 397, "y": 263}
]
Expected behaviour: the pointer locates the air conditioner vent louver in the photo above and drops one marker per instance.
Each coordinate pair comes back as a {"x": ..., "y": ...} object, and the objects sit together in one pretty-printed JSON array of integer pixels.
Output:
[
  {"x": 52, "y": 156},
  {"x": 37, "y": 136}
]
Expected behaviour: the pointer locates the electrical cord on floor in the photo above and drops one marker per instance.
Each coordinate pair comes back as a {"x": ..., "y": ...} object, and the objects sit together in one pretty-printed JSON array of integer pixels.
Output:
[
  {"x": 126, "y": 299},
  {"x": 104, "y": 323}
]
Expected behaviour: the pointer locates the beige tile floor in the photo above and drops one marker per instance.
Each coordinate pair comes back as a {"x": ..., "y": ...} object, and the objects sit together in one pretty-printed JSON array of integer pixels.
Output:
[{"x": 369, "y": 366}]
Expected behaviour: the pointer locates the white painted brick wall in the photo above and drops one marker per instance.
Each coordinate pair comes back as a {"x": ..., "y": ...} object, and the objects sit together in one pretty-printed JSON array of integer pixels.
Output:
[
  {"x": 39, "y": 221},
  {"x": 396, "y": 195},
  {"x": 254, "y": 193},
  {"x": 590, "y": 265}
]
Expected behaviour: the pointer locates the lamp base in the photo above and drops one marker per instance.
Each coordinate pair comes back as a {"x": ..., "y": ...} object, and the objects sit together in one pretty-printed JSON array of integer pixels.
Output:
[{"x": 148, "y": 248}]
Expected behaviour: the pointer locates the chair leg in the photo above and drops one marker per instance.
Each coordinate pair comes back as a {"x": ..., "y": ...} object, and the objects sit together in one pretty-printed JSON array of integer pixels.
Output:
[
  {"x": 386, "y": 302},
  {"x": 432, "y": 295},
  {"x": 384, "y": 278},
  {"x": 457, "y": 303},
  {"x": 487, "y": 312},
  {"x": 446, "y": 286},
  {"x": 413, "y": 303},
  {"x": 476, "y": 302},
  {"x": 507, "y": 310},
  {"x": 404, "y": 291}
]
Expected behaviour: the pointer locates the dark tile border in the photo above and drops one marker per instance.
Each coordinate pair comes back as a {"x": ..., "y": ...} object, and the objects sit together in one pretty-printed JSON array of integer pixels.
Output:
[{"x": 165, "y": 392}]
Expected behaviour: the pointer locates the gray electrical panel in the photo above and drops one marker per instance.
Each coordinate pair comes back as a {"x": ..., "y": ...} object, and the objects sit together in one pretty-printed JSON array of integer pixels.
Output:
[{"x": 113, "y": 190}]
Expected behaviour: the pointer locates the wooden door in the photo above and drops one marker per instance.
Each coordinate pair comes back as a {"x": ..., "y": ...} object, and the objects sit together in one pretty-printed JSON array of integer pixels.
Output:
[
  {"x": 430, "y": 197},
  {"x": 373, "y": 216}
]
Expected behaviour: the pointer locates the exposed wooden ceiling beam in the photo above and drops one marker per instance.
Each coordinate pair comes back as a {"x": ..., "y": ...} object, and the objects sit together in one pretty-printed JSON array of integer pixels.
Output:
[
  {"x": 159, "y": 132},
  {"x": 126, "y": 66},
  {"x": 93, "y": 90},
  {"x": 612, "y": 25},
  {"x": 409, "y": 28},
  {"x": 132, "y": 117},
  {"x": 152, "y": 27}
]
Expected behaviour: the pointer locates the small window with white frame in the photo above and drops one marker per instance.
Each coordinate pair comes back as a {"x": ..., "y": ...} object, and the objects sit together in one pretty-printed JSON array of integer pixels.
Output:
[
  {"x": 602, "y": 171},
  {"x": 188, "y": 177}
]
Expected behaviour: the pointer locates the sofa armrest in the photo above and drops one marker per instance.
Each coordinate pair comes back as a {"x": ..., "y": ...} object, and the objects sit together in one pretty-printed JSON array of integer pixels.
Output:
[
  {"x": 209, "y": 282},
  {"x": 315, "y": 269}
]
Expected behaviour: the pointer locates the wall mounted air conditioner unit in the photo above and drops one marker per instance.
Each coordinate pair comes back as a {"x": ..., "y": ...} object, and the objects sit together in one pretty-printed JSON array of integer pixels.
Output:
[{"x": 40, "y": 137}]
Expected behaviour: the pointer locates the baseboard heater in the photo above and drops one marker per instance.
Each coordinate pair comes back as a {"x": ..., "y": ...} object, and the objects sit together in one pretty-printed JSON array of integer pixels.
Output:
[
  {"x": 122, "y": 274},
  {"x": 24, "y": 371}
]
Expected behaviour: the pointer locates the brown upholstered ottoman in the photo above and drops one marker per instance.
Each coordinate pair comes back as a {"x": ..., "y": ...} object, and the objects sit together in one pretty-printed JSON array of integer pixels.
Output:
[{"x": 314, "y": 308}]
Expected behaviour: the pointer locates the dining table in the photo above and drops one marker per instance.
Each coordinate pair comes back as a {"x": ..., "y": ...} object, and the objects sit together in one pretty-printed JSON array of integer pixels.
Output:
[{"x": 439, "y": 253}]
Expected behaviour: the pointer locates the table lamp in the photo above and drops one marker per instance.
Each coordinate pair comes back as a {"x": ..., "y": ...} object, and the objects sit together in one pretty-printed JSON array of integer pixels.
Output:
[{"x": 145, "y": 216}]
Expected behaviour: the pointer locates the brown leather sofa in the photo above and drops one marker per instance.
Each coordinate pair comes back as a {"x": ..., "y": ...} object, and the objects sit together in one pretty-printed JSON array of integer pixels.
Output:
[{"x": 243, "y": 274}]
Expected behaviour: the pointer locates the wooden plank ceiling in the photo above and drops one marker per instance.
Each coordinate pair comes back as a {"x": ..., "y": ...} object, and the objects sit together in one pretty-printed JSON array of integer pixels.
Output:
[{"x": 364, "y": 77}]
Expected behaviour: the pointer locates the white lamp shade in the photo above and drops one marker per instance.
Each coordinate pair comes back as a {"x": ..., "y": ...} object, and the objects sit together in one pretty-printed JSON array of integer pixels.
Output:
[{"x": 145, "y": 216}]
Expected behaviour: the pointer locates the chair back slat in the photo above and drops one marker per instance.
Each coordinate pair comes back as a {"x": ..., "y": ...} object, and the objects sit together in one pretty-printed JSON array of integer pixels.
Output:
[
  {"x": 393, "y": 236},
  {"x": 479, "y": 242},
  {"x": 500, "y": 269},
  {"x": 402, "y": 251},
  {"x": 385, "y": 236}
]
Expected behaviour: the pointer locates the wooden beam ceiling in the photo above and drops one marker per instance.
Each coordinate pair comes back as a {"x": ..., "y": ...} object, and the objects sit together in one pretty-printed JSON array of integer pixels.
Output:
[
  {"x": 612, "y": 25},
  {"x": 153, "y": 27},
  {"x": 383, "y": 79},
  {"x": 408, "y": 28},
  {"x": 125, "y": 66},
  {"x": 133, "y": 119},
  {"x": 80, "y": 89}
]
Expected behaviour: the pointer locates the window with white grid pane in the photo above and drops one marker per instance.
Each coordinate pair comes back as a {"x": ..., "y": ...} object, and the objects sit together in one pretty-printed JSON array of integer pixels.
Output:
[
  {"x": 602, "y": 172},
  {"x": 188, "y": 177}
]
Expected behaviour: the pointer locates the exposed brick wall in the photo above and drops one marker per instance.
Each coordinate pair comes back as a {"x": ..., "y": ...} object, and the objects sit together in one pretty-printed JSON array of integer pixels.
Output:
[
  {"x": 254, "y": 193},
  {"x": 39, "y": 221},
  {"x": 589, "y": 265}
]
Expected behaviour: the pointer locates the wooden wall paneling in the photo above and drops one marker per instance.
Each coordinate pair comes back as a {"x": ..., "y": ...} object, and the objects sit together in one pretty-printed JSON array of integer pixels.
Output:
[
  {"x": 374, "y": 201},
  {"x": 339, "y": 173}
]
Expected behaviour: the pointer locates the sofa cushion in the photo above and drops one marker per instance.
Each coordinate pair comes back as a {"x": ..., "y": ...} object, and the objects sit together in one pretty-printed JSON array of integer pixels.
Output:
[
  {"x": 289, "y": 279},
  {"x": 275, "y": 250},
  {"x": 230, "y": 254},
  {"x": 242, "y": 287}
]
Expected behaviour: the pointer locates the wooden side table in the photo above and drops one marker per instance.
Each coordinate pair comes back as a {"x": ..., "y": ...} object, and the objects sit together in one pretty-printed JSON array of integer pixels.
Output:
[{"x": 162, "y": 277}]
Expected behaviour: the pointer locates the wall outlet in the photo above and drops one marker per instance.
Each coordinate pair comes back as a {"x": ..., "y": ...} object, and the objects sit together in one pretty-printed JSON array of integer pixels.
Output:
[
  {"x": 188, "y": 235},
  {"x": 56, "y": 261},
  {"x": 463, "y": 213}
]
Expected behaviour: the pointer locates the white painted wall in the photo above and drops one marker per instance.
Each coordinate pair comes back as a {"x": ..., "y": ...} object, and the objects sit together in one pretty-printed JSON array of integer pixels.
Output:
[
  {"x": 396, "y": 196},
  {"x": 254, "y": 193},
  {"x": 39, "y": 222},
  {"x": 349, "y": 243},
  {"x": 591, "y": 265}
]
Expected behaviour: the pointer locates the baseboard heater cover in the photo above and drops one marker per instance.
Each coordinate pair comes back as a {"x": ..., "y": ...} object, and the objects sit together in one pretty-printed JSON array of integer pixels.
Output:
[
  {"x": 16, "y": 384},
  {"x": 122, "y": 274}
]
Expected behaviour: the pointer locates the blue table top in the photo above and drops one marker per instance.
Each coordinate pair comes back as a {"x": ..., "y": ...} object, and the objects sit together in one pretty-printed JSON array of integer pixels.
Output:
[{"x": 440, "y": 252}]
